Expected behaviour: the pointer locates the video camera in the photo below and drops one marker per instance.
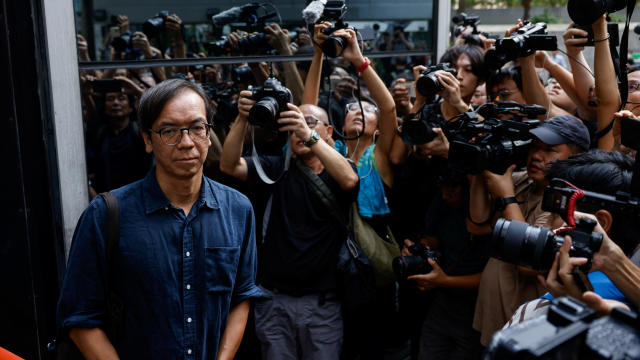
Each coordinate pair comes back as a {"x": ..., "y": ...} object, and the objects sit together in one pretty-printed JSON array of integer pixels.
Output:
[
  {"x": 249, "y": 15},
  {"x": 493, "y": 144},
  {"x": 523, "y": 42},
  {"x": 428, "y": 84},
  {"x": 405, "y": 266},
  {"x": 155, "y": 24},
  {"x": 463, "y": 20},
  {"x": 570, "y": 332},
  {"x": 271, "y": 99},
  {"x": 334, "y": 11}
]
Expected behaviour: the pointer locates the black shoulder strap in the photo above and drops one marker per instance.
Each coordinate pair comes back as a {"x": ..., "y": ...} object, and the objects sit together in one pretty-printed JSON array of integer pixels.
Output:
[
  {"x": 114, "y": 304},
  {"x": 113, "y": 225},
  {"x": 323, "y": 193}
]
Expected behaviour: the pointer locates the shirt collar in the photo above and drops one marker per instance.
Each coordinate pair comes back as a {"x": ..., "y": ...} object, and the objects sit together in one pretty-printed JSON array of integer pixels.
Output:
[{"x": 154, "y": 199}]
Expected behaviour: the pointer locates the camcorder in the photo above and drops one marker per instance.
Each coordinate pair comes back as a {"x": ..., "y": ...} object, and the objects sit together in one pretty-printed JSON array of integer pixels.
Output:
[
  {"x": 586, "y": 12},
  {"x": 612, "y": 29},
  {"x": 405, "y": 266},
  {"x": 493, "y": 144},
  {"x": 252, "y": 44},
  {"x": 570, "y": 331},
  {"x": 334, "y": 11},
  {"x": 252, "y": 16},
  {"x": 523, "y": 42},
  {"x": 271, "y": 99},
  {"x": 428, "y": 84},
  {"x": 463, "y": 20}
]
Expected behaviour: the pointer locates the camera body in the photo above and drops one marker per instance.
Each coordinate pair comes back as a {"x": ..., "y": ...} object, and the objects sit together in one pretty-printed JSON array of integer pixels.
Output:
[
  {"x": 428, "y": 84},
  {"x": 586, "y": 12},
  {"x": 405, "y": 266},
  {"x": 569, "y": 331},
  {"x": 523, "y": 42},
  {"x": 271, "y": 99},
  {"x": 612, "y": 29},
  {"x": 334, "y": 11},
  {"x": 155, "y": 24},
  {"x": 535, "y": 247},
  {"x": 417, "y": 128},
  {"x": 492, "y": 144}
]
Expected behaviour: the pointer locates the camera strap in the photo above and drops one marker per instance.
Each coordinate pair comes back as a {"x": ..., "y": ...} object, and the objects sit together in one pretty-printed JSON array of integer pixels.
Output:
[{"x": 256, "y": 161}]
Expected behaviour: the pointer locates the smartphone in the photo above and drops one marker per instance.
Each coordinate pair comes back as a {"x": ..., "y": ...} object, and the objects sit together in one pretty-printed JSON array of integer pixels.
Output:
[
  {"x": 612, "y": 28},
  {"x": 106, "y": 85}
]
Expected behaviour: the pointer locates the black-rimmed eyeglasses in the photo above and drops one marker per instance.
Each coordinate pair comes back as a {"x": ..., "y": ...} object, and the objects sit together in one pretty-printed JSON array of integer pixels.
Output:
[{"x": 172, "y": 135}]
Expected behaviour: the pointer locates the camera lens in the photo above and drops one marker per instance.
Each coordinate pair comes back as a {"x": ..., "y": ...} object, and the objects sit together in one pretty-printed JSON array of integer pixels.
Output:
[
  {"x": 519, "y": 243},
  {"x": 264, "y": 113},
  {"x": 121, "y": 42},
  {"x": 428, "y": 85},
  {"x": 333, "y": 46},
  {"x": 405, "y": 266},
  {"x": 153, "y": 26}
]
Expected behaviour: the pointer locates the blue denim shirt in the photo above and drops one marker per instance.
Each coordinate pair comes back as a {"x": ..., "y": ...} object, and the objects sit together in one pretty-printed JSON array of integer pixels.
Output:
[{"x": 177, "y": 275}]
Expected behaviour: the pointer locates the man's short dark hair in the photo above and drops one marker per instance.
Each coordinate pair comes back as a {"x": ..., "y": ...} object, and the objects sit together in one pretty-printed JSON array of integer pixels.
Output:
[
  {"x": 476, "y": 57},
  {"x": 605, "y": 173},
  {"x": 506, "y": 73},
  {"x": 153, "y": 100}
]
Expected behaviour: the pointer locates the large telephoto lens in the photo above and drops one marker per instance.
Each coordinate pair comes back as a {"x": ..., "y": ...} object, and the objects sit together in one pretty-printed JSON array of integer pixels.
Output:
[
  {"x": 333, "y": 46},
  {"x": 522, "y": 244},
  {"x": 264, "y": 113},
  {"x": 428, "y": 85},
  {"x": 405, "y": 266}
]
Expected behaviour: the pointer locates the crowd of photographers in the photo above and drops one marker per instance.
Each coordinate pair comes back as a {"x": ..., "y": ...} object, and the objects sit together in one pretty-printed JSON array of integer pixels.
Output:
[{"x": 465, "y": 166}]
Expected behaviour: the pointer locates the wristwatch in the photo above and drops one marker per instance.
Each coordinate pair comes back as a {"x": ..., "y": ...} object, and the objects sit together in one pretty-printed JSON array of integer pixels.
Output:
[
  {"x": 501, "y": 203},
  {"x": 312, "y": 139}
]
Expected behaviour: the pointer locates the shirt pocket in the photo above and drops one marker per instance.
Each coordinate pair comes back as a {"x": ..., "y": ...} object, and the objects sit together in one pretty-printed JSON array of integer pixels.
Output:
[{"x": 221, "y": 266}]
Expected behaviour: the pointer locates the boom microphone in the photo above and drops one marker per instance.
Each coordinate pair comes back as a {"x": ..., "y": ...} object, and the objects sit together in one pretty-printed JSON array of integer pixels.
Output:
[
  {"x": 236, "y": 13},
  {"x": 312, "y": 13}
]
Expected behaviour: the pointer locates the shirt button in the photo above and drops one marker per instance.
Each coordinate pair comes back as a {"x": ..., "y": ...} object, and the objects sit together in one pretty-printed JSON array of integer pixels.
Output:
[
  {"x": 189, "y": 351},
  {"x": 188, "y": 320},
  {"x": 188, "y": 254},
  {"x": 188, "y": 286}
]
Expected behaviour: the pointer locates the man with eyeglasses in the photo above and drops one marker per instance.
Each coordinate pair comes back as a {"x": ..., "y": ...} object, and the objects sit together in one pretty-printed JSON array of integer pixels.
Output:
[
  {"x": 299, "y": 315},
  {"x": 185, "y": 263}
]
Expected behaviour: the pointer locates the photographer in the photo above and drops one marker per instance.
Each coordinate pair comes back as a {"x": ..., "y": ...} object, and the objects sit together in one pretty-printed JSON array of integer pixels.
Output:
[
  {"x": 300, "y": 315},
  {"x": 604, "y": 173},
  {"x": 518, "y": 196},
  {"x": 454, "y": 279}
]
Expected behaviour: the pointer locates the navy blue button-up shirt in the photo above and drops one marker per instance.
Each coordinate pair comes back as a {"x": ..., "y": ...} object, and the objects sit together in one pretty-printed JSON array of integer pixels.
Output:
[{"x": 177, "y": 275}]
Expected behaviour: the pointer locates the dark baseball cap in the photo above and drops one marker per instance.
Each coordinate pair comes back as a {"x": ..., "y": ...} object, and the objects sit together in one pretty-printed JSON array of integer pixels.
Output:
[{"x": 563, "y": 129}]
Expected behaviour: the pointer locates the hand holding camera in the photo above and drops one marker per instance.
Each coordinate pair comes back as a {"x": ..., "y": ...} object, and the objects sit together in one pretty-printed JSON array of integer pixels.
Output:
[
  {"x": 439, "y": 146},
  {"x": 500, "y": 185},
  {"x": 140, "y": 41},
  {"x": 245, "y": 103},
  {"x": 351, "y": 50},
  {"x": 574, "y": 40},
  {"x": 319, "y": 35},
  {"x": 293, "y": 120},
  {"x": 560, "y": 279},
  {"x": 279, "y": 39},
  {"x": 173, "y": 25},
  {"x": 450, "y": 90}
]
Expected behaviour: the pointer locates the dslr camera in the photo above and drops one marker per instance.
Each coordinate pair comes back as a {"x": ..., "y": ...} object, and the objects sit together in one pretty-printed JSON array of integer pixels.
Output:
[
  {"x": 571, "y": 332},
  {"x": 405, "y": 266},
  {"x": 256, "y": 43},
  {"x": 417, "y": 128},
  {"x": 523, "y": 42},
  {"x": 428, "y": 84},
  {"x": 155, "y": 24},
  {"x": 334, "y": 11},
  {"x": 586, "y": 12},
  {"x": 271, "y": 99}
]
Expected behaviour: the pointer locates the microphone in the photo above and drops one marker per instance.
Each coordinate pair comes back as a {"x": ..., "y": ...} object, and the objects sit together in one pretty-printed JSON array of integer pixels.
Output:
[{"x": 312, "y": 13}]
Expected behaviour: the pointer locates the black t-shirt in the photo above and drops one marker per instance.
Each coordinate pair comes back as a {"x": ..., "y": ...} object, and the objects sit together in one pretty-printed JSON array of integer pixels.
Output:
[
  {"x": 300, "y": 250},
  {"x": 118, "y": 159}
]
